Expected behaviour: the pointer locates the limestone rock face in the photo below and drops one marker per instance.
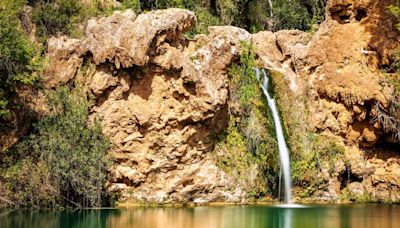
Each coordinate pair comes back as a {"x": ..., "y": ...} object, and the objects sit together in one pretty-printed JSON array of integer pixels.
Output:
[
  {"x": 107, "y": 37},
  {"x": 65, "y": 58},
  {"x": 160, "y": 121},
  {"x": 375, "y": 175},
  {"x": 347, "y": 74},
  {"x": 126, "y": 40},
  {"x": 339, "y": 67},
  {"x": 338, "y": 72},
  {"x": 159, "y": 99}
]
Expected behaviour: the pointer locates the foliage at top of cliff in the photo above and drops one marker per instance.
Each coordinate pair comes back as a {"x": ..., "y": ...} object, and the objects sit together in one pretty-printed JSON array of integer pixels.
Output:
[{"x": 253, "y": 15}]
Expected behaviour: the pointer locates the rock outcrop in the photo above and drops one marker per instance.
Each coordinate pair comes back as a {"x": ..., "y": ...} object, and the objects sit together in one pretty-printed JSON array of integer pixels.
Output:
[
  {"x": 339, "y": 73},
  {"x": 159, "y": 99}
]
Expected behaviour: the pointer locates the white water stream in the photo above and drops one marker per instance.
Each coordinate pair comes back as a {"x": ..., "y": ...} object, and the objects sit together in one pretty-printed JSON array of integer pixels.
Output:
[{"x": 282, "y": 147}]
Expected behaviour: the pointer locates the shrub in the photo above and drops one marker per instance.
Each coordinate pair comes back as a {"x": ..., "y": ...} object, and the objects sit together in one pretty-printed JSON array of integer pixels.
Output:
[
  {"x": 17, "y": 54},
  {"x": 132, "y": 4},
  {"x": 227, "y": 10},
  {"x": 27, "y": 183},
  {"x": 259, "y": 15},
  {"x": 395, "y": 11},
  {"x": 307, "y": 166},
  {"x": 204, "y": 19},
  {"x": 290, "y": 15},
  {"x": 66, "y": 155},
  {"x": 4, "y": 112},
  {"x": 55, "y": 16},
  {"x": 243, "y": 74},
  {"x": 256, "y": 15}
]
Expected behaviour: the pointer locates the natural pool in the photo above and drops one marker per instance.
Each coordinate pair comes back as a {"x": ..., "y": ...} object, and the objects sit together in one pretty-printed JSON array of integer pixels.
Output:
[{"x": 357, "y": 215}]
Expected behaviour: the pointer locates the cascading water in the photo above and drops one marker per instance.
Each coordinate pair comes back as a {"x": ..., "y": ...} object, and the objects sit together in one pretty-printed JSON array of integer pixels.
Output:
[{"x": 282, "y": 147}]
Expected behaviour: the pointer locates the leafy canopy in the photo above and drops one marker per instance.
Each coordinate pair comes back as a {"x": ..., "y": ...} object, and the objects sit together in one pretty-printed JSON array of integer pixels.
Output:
[
  {"x": 16, "y": 54},
  {"x": 66, "y": 156}
]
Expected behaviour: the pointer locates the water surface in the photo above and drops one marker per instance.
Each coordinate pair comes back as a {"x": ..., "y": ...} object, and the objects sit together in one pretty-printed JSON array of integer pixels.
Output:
[{"x": 359, "y": 216}]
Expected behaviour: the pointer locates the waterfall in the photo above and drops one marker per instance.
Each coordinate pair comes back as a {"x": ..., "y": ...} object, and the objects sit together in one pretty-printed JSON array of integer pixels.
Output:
[{"x": 282, "y": 147}]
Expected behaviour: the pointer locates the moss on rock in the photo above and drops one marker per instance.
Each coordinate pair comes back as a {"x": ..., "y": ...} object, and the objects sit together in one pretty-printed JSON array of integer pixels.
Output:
[{"x": 248, "y": 148}]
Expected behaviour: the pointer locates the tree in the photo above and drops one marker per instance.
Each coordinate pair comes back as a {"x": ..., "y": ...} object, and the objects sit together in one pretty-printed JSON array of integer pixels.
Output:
[
  {"x": 65, "y": 156},
  {"x": 56, "y": 16},
  {"x": 16, "y": 54}
]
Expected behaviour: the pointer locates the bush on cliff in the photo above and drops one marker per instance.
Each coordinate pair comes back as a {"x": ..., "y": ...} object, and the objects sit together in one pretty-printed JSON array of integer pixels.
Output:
[
  {"x": 55, "y": 16},
  {"x": 63, "y": 162},
  {"x": 257, "y": 15},
  {"x": 17, "y": 54},
  {"x": 253, "y": 15},
  {"x": 132, "y": 4}
]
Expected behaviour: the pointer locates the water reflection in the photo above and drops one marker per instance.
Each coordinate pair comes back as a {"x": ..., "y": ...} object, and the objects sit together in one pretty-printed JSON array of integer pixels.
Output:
[{"x": 358, "y": 216}]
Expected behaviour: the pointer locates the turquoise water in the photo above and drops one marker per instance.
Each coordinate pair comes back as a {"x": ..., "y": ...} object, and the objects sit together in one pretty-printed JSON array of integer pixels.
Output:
[{"x": 358, "y": 216}]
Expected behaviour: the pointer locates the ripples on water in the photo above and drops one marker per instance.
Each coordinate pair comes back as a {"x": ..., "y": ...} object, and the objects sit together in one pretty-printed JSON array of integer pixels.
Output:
[{"x": 359, "y": 216}]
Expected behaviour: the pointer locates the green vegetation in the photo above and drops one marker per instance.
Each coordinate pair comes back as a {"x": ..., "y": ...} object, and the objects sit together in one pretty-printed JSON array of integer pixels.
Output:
[
  {"x": 323, "y": 153},
  {"x": 283, "y": 14},
  {"x": 205, "y": 18},
  {"x": 390, "y": 118},
  {"x": 249, "y": 141},
  {"x": 253, "y": 15},
  {"x": 53, "y": 17},
  {"x": 310, "y": 152},
  {"x": 62, "y": 163},
  {"x": 131, "y": 4},
  {"x": 346, "y": 195},
  {"x": 395, "y": 11},
  {"x": 18, "y": 58},
  {"x": 56, "y": 16}
]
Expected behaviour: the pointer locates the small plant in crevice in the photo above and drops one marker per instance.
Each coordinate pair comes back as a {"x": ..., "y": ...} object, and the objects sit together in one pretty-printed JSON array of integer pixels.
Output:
[{"x": 62, "y": 163}]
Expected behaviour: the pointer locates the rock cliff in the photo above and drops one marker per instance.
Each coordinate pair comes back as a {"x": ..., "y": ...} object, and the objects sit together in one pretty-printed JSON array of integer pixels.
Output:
[
  {"x": 338, "y": 73},
  {"x": 161, "y": 99}
]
